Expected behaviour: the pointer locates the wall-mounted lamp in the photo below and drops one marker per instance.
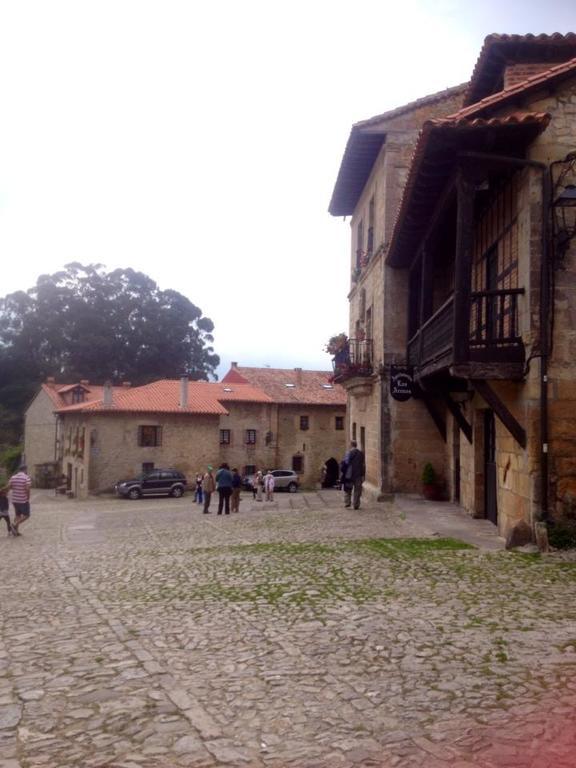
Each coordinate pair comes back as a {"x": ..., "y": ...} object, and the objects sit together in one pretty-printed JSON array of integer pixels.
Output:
[{"x": 563, "y": 172}]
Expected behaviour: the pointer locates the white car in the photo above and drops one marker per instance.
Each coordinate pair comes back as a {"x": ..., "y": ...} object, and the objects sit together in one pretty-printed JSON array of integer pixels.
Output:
[{"x": 284, "y": 480}]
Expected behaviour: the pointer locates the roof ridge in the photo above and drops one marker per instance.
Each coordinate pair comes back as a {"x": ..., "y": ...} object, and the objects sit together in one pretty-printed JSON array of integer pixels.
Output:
[
  {"x": 415, "y": 104},
  {"x": 494, "y": 38},
  {"x": 513, "y": 90}
]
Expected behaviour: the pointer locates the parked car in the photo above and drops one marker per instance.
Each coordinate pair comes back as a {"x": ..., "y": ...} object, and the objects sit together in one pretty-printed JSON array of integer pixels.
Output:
[
  {"x": 284, "y": 480},
  {"x": 158, "y": 482}
]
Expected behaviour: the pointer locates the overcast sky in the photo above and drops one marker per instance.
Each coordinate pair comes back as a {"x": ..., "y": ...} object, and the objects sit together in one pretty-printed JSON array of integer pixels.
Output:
[{"x": 199, "y": 142}]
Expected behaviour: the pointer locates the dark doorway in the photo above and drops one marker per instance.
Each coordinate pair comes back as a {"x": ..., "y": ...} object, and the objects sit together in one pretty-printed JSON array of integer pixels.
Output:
[
  {"x": 490, "y": 471},
  {"x": 456, "y": 463},
  {"x": 332, "y": 472}
]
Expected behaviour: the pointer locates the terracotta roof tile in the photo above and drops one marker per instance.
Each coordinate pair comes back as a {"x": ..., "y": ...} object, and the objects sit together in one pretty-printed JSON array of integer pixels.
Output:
[
  {"x": 288, "y": 385},
  {"x": 493, "y": 57},
  {"x": 91, "y": 392},
  {"x": 565, "y": 69},
  {"x": 163, "y": 396}
]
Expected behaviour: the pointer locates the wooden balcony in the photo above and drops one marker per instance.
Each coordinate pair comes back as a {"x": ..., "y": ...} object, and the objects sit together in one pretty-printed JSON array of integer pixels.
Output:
[
  {"x": 491, "y": 346},
  {"x": 354, "y": 361}
]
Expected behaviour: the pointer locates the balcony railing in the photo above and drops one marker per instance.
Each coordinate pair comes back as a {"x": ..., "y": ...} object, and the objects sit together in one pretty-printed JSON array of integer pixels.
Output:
[
  {"x": 494, "y": 334},
  {"x": 355, "y": 359}
]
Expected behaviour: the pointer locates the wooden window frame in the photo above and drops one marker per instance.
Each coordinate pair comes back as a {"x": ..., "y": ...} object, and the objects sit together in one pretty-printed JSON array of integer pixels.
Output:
[{"x": 155, "y": 437}]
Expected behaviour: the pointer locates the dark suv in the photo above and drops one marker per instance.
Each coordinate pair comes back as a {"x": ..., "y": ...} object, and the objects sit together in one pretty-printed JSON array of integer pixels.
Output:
[{"x": 158, "y": 482}]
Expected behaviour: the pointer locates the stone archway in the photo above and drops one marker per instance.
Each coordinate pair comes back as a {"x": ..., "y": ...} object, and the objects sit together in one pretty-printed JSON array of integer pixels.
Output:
[{"x": 332, "y": 473}]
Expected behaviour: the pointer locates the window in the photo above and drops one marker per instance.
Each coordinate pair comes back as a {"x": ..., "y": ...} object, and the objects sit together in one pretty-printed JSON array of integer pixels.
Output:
[
  {"x": 370, "y": 243},
  {"x": 363, "y": 438},
  {"x": 224, "y": 437},
  {"x": 250, "y": 469},
  {"x": 149, "y": 436},
  {"x": 78, "y": 395},
  {"x": 354, "y": 431},
  {"x": 250, "y": 437},
  {"x": 360, "y": 244},
  {"x": 298, "y": 463},
  {"x": 304, "y": 423},
  {"x": 147, "y": 466},
  {"x": 339, "y": 422}
]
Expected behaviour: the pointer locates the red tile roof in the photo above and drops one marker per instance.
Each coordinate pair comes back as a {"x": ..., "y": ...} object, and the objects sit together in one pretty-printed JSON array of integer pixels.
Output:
[
  {"x": 547, "y": 77},
  {"x": 163, "y": 396},
  {"x": 304, "y": 387},
  {"x": 433, "y": 162},
  {"x": 499, "y": 50},
  {"x": 91, "y": 392}
]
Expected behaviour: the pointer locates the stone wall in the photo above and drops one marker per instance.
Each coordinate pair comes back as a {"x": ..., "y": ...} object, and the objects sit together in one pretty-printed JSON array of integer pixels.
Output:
[
  {"x": 390, "y": 462},
  {"x": 39, "y": 432},
  {"x": 112, "y": 453}
]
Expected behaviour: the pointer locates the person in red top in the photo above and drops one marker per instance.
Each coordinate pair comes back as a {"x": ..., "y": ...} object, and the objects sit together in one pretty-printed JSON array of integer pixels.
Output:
[{"x": 20, "y": 485}]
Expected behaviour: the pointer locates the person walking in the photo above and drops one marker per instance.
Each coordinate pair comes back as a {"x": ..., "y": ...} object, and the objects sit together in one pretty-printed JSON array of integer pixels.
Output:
[
  {"x": 20, "y": 485},
  {"x": 5, "y": 508},
  {"x": 198, "y": 491},
  {"x": 258, "y": 483},
  {"x": 224, "y": 488},
  {"x": 353, "y": 472},
  {"x": 208, "y": 488},
  {"x": 269, "y": 485},
  {"x": 236, "y": 486}
]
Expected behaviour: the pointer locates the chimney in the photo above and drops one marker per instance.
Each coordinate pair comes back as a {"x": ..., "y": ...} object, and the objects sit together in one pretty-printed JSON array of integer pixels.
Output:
[
  {"x": 107, "y": 398},
  {"x": 184, "y": 392},
  {"x": 234, "y": 365},
  {"x": 84, "y": 382},
  {"x": 127, "y": 384},
  {"x": 298, "y": 375},
  {"x": 50, "y": 381}
]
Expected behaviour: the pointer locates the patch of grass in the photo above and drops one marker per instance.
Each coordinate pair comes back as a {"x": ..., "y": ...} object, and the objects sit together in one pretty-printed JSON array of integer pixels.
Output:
[{"x": 413, "y": 547}]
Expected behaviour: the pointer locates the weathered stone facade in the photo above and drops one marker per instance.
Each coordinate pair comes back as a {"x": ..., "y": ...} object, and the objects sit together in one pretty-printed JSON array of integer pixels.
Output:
[
  {"x": 493, "y": 456},
  {"x": 98, "y": 447}
]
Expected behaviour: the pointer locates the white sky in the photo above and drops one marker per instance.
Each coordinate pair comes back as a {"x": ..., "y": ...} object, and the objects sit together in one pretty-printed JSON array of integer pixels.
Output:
[{"x": 199, "y": 142}]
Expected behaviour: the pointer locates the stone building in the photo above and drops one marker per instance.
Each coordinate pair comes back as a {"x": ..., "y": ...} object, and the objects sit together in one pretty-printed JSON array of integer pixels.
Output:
[
  {"x": 40, "y": 420},
  {"x": 306, "y": 428},
  {"x": 187, "y": 425},
  {"x": 467, "y": 283}
]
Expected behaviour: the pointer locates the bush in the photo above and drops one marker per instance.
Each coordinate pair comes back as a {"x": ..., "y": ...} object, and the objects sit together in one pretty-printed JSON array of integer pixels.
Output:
[
  {"x": 10, "y": 459},
  {"x": 562, "y": 534}
]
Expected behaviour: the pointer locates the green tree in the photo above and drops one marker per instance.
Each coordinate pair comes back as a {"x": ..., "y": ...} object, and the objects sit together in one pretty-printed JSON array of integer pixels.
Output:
[{"x": 86, "y": 322}]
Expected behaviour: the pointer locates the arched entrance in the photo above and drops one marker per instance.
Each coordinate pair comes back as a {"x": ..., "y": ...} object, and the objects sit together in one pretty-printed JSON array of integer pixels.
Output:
[{"x": 332, "y": 472}]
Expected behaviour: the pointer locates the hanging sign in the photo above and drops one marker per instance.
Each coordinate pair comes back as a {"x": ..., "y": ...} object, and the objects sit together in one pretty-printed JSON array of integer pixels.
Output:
[{"x": 401, "y": 382}]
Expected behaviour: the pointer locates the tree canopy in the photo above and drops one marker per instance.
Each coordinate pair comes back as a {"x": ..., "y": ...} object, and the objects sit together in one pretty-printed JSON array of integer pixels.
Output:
[{"x": 86, "y": 322}]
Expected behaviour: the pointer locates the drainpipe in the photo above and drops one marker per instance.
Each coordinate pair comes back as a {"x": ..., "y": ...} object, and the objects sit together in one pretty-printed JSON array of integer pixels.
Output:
[{"x": 546, "y": 306}]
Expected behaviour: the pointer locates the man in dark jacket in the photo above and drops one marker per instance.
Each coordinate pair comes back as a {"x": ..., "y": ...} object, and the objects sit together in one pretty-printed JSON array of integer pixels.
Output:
[{"x": 353, "y": 473}]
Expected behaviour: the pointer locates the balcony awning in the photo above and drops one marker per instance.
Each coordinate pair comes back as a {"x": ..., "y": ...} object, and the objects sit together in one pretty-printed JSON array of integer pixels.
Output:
[{"x": 435, "y": 159}]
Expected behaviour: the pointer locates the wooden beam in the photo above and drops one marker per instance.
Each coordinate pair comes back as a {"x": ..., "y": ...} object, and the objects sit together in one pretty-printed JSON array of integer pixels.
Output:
[
  {"x": 435, "y": 414},
  {"x": 464, "y": 426},
  {"x": 463, "y": 267},
  {"x": 508, "y": 419}
]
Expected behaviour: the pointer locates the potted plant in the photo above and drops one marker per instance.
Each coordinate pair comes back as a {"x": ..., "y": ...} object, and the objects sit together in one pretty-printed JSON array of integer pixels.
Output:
[
  {"x": 336, "y": 344},
  {"x": 430, "y": 483}
]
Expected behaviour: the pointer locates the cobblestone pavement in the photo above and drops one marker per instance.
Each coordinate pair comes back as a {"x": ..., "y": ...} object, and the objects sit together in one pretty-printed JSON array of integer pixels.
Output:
[{"x": 297, "y": 633}]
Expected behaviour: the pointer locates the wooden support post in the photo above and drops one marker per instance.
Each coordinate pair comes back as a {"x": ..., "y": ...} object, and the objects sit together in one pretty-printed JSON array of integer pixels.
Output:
[
  {"x": 459, "y": 418},
  {"x": 463, "y": 268},
  {"x": 435, "y": 414},
  {"x": 512, "y": 425}
]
